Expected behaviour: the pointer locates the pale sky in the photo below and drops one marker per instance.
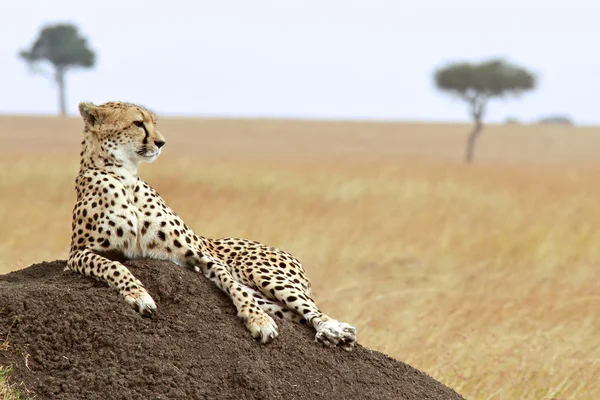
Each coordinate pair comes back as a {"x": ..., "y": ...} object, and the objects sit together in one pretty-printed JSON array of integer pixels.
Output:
[{"x": 369, "y": 59}]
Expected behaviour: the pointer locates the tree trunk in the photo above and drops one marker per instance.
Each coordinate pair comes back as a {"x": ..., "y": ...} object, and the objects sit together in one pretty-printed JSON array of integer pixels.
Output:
[
  {"x": 473, "y": 136},
  {"x": 60, "y": 82},
  {"x": 478, "y": 104}
]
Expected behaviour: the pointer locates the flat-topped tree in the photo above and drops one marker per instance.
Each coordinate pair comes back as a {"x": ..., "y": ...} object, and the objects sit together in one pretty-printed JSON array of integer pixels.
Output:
[
  {"x": 477, "y": 83},
  {"x": 62, "y": 46}
]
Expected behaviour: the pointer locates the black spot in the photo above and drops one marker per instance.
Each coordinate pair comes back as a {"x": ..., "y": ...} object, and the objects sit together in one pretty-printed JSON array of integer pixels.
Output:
[
  {"x": 291, "y": 299},
  {"x": 106, "y": 243},
  {"x": 279, "y": 314},
  {"x": 119, "y": 232},
  {"x": 176, "y": 243},
  {"x": 162, "y": 236},
  {"x": 189, "y": 253}
]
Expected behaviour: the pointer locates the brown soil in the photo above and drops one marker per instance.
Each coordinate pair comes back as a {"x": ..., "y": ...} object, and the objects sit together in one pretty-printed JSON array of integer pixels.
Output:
[{"x": 71, "y": 337}]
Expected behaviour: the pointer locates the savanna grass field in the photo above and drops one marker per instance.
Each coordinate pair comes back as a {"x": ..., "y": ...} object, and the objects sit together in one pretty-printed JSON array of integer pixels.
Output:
[{"x": 484, "y": 276}]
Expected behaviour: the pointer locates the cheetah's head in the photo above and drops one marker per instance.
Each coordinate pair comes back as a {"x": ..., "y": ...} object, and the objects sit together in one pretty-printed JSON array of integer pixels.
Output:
[{"x": 126, "y": 132}]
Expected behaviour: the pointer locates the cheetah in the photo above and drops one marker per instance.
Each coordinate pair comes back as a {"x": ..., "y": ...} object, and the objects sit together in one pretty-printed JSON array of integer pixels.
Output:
[{"x": 116, "y": 212}]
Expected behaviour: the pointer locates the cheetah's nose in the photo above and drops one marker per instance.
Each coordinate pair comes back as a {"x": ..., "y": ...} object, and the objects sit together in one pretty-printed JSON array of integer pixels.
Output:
[{"x": 159, "y": 143}]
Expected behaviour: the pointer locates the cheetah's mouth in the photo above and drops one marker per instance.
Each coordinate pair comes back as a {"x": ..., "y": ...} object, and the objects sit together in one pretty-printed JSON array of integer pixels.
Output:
[{"x": 143, "y": 152}]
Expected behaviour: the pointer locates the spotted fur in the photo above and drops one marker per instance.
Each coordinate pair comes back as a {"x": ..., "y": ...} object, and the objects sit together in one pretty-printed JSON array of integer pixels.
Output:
[{"x": 118, "y": 215}]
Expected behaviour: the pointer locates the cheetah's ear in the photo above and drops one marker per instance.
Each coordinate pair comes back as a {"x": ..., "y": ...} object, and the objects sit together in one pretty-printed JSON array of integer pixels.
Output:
[{"x": 90, "y": 113}]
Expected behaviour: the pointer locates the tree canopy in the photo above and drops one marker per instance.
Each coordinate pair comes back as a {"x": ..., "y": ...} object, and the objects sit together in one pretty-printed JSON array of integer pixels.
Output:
[{"x": 493, "y": 78}]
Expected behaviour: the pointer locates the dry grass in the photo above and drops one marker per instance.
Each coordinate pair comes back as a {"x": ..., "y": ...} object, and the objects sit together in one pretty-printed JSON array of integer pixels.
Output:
[
  {"x": 7, "y": 389},
  {"x": 485, "y": 277}
]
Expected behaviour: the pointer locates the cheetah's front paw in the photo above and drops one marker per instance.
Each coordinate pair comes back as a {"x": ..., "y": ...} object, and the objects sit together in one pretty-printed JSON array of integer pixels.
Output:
[
  {"x": 262, "y": 327},
  {"x": 141, "y": 301},
  {"x": 334, "y": 333}
]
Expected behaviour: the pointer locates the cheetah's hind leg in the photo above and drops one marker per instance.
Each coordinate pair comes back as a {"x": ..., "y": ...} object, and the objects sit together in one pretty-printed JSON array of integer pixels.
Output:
[
  {"x": 274, "y": 308},
  {"x": 295, "y": 298}
]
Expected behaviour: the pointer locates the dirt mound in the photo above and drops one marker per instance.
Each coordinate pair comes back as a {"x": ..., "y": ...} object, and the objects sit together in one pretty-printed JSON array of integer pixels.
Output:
[{"x": 71, "y": 337}]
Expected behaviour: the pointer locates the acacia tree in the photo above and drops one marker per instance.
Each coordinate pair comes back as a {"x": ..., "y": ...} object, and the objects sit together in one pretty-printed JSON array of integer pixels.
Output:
[
  {"x": 62, "y": 47},
  {"x": 477, "y": 83}
]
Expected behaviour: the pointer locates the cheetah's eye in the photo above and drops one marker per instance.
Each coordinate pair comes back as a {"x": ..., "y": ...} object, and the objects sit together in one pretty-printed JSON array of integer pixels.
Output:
[{"x": 139, "y": 124}]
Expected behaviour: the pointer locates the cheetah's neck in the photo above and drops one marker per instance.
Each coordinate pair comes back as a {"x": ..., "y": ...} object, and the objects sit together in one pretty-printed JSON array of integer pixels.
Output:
[{"x": 94, "y": 155}]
